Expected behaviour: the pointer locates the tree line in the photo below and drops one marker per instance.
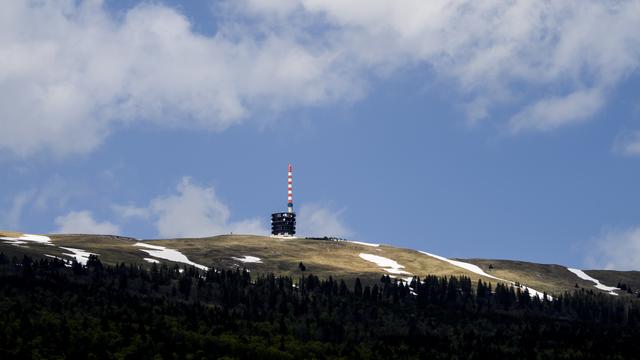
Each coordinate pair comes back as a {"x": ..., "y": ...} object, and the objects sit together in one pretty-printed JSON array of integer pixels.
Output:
[{"x": 94, "y": 311}]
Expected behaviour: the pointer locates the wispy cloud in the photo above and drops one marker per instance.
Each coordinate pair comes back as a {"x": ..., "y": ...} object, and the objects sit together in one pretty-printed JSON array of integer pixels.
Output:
[
  {"x": 550, "y": 114},
  {"x": 616, "y": 250},
  {"x": 82, "y": 222},
  {"x": 131, "y": 211},
  {"x": 192, "y": 211},
  {"x": 628, "y": 144},
  {"x": 12, "y": 215},
  {"x": 53, "y": 193},
  {"x": 319, "y": 220}
]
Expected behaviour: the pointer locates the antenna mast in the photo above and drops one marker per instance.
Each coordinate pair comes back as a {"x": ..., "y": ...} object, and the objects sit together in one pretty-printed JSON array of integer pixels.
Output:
[{"x": 290, "y": 190}]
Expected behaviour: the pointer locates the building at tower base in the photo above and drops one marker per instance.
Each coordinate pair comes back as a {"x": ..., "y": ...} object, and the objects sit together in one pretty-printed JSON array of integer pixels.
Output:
[{"x": 283, "y": 224}]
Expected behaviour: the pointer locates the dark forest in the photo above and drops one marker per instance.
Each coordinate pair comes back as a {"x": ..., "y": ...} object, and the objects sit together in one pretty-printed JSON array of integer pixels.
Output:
[{"x": 51, "y": 311}]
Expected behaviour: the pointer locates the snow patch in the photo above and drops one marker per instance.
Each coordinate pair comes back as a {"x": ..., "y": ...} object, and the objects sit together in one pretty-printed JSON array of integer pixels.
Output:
[
  {"x": 150, "y": 260},
  {"x": 582, "y": 275},
  {"x": 80, "y": 255},
  {"x": 532, "y": 292},
  {"x": 477, "y": 270},
  {"x": 388, "y": 265},
  {"x": 471, "y": 267},
  {"x": 67, "y": 263},
  {"x": 248, "y": 259},
  {"x": 149, "y": 246},
  {"x": 407, "y": 279},
  {"x": 17, "y": 243},
  {"x": 363, "y": 243},
  {"x": 168, "y": 254},
  {"x": 24, "y": 238}
]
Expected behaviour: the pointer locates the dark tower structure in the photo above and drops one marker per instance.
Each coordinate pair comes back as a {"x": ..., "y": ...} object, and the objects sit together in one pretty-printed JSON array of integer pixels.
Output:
[{"x": 284, "y": 223}]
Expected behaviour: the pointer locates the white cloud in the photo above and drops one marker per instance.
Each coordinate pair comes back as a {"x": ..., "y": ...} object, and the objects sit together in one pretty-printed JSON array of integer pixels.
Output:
[
  {"x": 194, "y": 211},
  {"x": 131, "y": 211},
  {"x": 496, "y": 51},
  {"x": 628, "y": 144},
  {"x": 552, "y": 113},
  {"x": 82, "y": 222},
  {"x": 616, "y": 250},
  {"x": 71, "y": 73},
  {"x": 318, "y": 220}
]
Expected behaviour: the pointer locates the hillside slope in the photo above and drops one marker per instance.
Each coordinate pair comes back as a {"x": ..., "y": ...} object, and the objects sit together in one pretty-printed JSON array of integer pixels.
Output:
[{"x": 341, "y": 259}]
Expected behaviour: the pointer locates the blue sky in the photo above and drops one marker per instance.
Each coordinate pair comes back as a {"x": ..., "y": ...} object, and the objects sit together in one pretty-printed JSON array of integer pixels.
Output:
[{"x": 469, "y": 130}]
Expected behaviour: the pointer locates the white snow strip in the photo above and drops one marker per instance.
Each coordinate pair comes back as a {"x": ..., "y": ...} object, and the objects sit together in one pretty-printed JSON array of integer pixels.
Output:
[
  {"x": 477, "y": 270},
  {"x": 407, "y": 279},
  {"x": 80, "y": 255},
  {"x": 248, "y": 259},
  {"x": 149, "y": 246},
  {"x": 532, "y": 292},
  {"x": 363, "y": 243},
  {"x": 56, "y": 257},
  {"x": 471, "y": 267},
  {"x": 388, "y": 265},
  {"x": 168, "y": 254},
  {"x": 582, "y": 275},
  {"x": 17, "y": 243},
  {"x": 150, "y": 260},
  {"x": 67, "y": 263},
  {"x": 36, "y": 238},
  {"x": 24, "y": 238}
]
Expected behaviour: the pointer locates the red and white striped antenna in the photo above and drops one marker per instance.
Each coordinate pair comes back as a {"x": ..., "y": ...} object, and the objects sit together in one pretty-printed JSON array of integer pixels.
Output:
[{"x": 290, "y": 189}]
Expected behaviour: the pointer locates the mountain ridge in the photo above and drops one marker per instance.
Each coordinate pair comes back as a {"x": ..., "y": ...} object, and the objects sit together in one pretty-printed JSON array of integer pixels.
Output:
[{"x": 336, "y": 258}]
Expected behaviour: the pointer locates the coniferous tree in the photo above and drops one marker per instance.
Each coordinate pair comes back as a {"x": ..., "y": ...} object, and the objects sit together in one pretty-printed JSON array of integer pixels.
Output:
[
  {"x": 232, "y": 313},
  {"x": 358, "y": 288}
]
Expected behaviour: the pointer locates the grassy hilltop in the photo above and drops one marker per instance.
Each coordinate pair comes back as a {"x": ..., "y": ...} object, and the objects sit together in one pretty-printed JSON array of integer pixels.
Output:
[{"x": 324, "y": 258}]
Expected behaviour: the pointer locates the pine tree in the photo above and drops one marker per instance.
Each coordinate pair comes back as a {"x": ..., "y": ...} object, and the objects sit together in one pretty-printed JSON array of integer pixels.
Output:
[{"x": 358, "y": 288}]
